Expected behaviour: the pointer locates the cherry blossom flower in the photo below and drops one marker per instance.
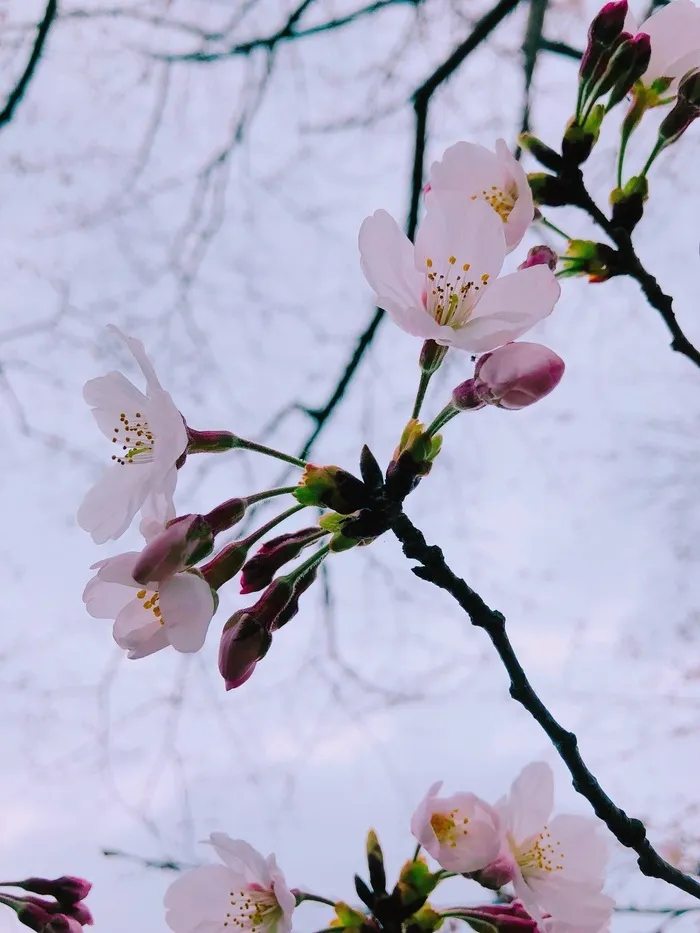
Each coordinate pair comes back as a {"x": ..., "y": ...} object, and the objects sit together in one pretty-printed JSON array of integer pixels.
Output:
[
  {"x": 247, "y": 893},
  {"x": 674, "y": 31},
  {"x": 461, "y": 832},
  {"x": 512, "y": 377},
  {"x": 556, "y": 866},
  {"x": 475, "y": 173},
  {"x": 148, "y": 436},
  {"x": 446, "y": 287},
  {"x": 147, "y": 617}
]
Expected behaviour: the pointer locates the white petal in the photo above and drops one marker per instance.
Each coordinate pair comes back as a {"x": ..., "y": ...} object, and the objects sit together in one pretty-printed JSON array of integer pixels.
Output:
[
  {"x": 386, "y": 257},
  {"x": 166, "y": 423},
  {"x": 467, "y": 168},
  {"x": 523, "y": 211},
  {"x": 674, "y": 31},
  {"x": 187, "y": 605},
  {"x": 148, "y": 641},
  {"x": 118, "y": 569},
  {"x": 242, "y": 858},
  {"x": 570, "y": 901},
  {"x": 510, "y": 306},
  {"x": 137, "y": 348},
  {"x": 585, "y": 849},
  {"x": 530, "y": 801},
  {"x": 284, "y": 896},
  {"x": 470, "y": 231},
  {"x": 158, "y": 508},
  {"x": 113, "y": 394},
  {"x": 134, "y": 624},
  {"x": 199, "y": 896},
  {"x": 109, "y": 507},
  {"x": 105, "y": 600},
  {"x": 530, "y": 902}
]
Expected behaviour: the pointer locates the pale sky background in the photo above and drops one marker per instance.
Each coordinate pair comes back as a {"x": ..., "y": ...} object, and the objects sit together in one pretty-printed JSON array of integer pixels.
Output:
[{"x": 577, "y": 518}]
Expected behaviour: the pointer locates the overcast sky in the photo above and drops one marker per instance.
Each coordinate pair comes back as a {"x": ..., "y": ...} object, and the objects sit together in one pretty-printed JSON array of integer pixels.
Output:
[{"x": 213, "y": 212}]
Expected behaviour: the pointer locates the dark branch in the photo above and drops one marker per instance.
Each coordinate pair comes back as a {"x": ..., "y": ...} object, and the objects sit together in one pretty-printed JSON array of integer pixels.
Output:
[
  {"x": 421, "y": 98},
  {"x": 627, "y": 830},
  {"x": 561, "y": 48},
  {"x": 20, "y": 88},
  {"x": 531, "y": 49},
  {"x": 628, "y": 263}
]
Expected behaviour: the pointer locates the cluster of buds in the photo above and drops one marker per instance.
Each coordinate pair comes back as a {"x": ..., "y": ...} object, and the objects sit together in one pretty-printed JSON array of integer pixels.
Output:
[{"x": 59, "y": 908}]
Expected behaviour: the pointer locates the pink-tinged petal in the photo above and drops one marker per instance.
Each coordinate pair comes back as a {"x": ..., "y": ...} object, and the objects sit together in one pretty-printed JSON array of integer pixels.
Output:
[
  {"x": 472, "y": 232},
  {"x": 132, "y": 623},
  {"x": 467, "y": 168},
  {"x": 526, "y": 895},
  {"x": 530, "y": 801},
  {"x": 113, "y": 393},
  {"x": 523, "y": 212},
  {"x": 118, "y": 569},
  {"x": 461, "y": 832},
  {"x": 197, "y": 897},
  {"x": 420, "y": 821},
  {"x": 285, "y": 898},
  {"x": 674, "y": 31},
  {"x": 510, "y": 306},
  {"x": 187, "y": 605},
  {"x": 585, "y": 848},
  {"x": 146, "y": 641},
  {"x": 570, "y": 901},
  {"x": 109, "y": 507},
  {"x": 105, "y": 600},
  {"x": 242, "y": 858},
  {"x": 139, "y": 353},
  {"x": 158, "y": 507},
  {"x": 386, "y": 258},
  {"x": 681, "y": 66},
  {"x": 166, "y": 423}
]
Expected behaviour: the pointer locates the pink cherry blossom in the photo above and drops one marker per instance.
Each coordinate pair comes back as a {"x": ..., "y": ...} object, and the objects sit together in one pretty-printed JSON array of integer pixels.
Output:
[
  {"x": 149, "y": 617},
  {"x": 674, "y": 31},
  {"x": 518, "y": 374},
  {"x": 557, "y": 865},
  {"x": 446, "y": 287},
  {"x": 461, "y": 832},
  {"x": 147, "y": 435},
  {"x": 471, "y": 172},
  {"x": 247, "y": 893}
]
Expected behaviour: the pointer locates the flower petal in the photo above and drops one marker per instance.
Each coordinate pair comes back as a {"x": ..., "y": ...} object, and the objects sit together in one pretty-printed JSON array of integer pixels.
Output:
[
  {"x": 139, "y": 353},
  {"x": 585, "y": 849},
  {"x": 109, "y": 507},
  {"x": 386, "y": 257},
  {"x": 147, "y": 641},
  {"x": 674, "y": 31},
  {"x": 510, "y": 306},
  {"x": 187, "y": 605},
  {"x": 242, "y": 858},
  {"x": 165, "y": 421},
  {"x": 530, "y": 801},
  {"x": 523, "y": 211},
  {"x": 198, "y": 897},
  {"x": 461, "y": 832},
  {"x": 285, "y": 898},
  {"x": 105, "y": 600},
  {"x": 472, "y": 232},
  {"x": 118, "y": 569},
  {"x": 111, "y": 394}
]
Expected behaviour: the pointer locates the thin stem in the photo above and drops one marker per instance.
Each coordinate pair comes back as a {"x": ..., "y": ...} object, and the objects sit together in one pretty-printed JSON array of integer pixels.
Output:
[
  {"x": 441, "y": 419},
  {"x": 628, "y": 831},
  {"x": 548, "y": 223},
  {"x": 270, "y": 494},
  {"x": 309, "y": 563},
  {"x": 268, "y": 526},
  {"x": 305, "y": 896},
  {"x": 269, "y": 452},
  {"x": 417, "y": 852},
  {"x": 420, "y": 394},
  {"x": 654, "y": 152},
  {"x": 621, "y": 158}
]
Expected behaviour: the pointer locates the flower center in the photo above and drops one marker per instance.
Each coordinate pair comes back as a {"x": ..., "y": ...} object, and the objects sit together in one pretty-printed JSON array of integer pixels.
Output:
[
  {"x": 501, "y": 201},
  {"x": 136, "y": 438},
  {"x": 150, "y": 602},
  {"x": 251, "y": 909},
  {"x": 451, "y": 296},
  {"x": 447, "y": 829},
  {"x": 539, "y": 853}
]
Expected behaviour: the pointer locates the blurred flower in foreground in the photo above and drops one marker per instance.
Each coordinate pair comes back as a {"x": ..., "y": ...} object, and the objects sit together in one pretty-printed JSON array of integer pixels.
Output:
[
  {"x": 674, "y": 31},
  {"x": 149, "y": 436},
  {"x": 446, "y": 287},
  {"x": 476, "y": 173},
  {"x": 247, "y": 893}
]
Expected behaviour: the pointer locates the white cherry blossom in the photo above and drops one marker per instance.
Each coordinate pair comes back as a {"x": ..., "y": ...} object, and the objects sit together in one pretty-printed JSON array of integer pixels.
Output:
[
  {"x": 246, "y": 894},
  {"x": 471, "y": 172},
  {"x": 147, "y": 436},
  {"x": 446, "y": 288}
]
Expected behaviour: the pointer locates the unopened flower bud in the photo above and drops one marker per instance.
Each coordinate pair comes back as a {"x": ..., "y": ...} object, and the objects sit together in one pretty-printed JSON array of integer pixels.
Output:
[
  {"x": 540, "y": 256},
  {"x": 226, "y": 515},
  {"x": 602, "y": 33},
  {"x": 584, "y": 257},
  {"x": 506, "y": 918},
  {"x": 685, "y": 111},
  {"x": 301, "y": 585},
  {"x": 375, "y": 863},
  {"x": 183, "y": 542},
  {"x": 333, "y": 487},
  {"x": 517, "y": 375},
  {"x": 628, "y": 203},
  {"x": 467, "y": 396},
  {"x": 262, "y": 566},
  {"x": 66, "y": 890},
  {"x": 626, "y": 67},
  {"x": 415, "y": 884},
  {"x": 579, "y": 140},
  {"x": 244, "y": 642},
  {"x": 542, "y": 152},
  {"x": 431, "y": 356}
]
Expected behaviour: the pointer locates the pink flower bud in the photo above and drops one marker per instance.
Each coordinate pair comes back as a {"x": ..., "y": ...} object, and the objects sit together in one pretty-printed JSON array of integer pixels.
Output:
[
  {"x": 540, "y": 256},
  {"x": 507, "y": 918},
  {"x": 466, "y": 397},
  {"x": 518, "y": 374},
  {"x": 226, "y": 515},
  {"x": 261, "y": 568},
  {"x": 244, "y": 642},
  {"x": 183, "y": 542},
  {"x": 66, "y": 889},
  {"x": 603, "y": 33}
]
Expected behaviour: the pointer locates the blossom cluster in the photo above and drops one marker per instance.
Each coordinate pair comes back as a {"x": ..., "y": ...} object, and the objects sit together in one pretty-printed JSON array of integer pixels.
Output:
[
  {"x": 52, "y": 905},
  {"x": 547, "y": 873}
]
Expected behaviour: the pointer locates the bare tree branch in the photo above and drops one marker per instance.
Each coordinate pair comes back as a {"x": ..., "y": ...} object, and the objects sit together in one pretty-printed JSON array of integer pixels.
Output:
[
  {"x": 420, "y": 98},
  {"x": 531, "y": 49},
  {"x": 630, "y": 832},
  {"x": 20, "y": 88}
]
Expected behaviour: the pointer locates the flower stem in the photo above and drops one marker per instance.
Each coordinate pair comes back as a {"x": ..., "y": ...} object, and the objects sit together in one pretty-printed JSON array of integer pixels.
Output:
[
  {"x": 269, "y": 494},
  {"x": 309, "y": 564},
  {"x": 302, "y": 896},
  {"x": 268, "y": 526},
  {"x": 420, "y": 394},
  {"x": 548, "y": 223},
  {"x": 200, "y": 442},
  {"x": 269, "y": 452},
  {"x": 417, "y": 852},
  {"x": 447, "y": 414},
  {"x": 654, "y": 152}
]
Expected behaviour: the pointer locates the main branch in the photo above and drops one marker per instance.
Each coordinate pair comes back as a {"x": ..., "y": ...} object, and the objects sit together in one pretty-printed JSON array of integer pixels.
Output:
[
  {"x": 627, "y": 830},
  {"x": 20, "y": 88}
]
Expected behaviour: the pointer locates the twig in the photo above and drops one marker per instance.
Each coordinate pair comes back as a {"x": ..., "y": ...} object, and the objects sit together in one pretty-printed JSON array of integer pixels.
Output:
[
  {"x": 420, "y": 98},
  {"x": 20, "y": 88},
  {"x": 628, "y": 831},
  {"x": 630, "y": 264},
  {"x": 532, "y": 45}
]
